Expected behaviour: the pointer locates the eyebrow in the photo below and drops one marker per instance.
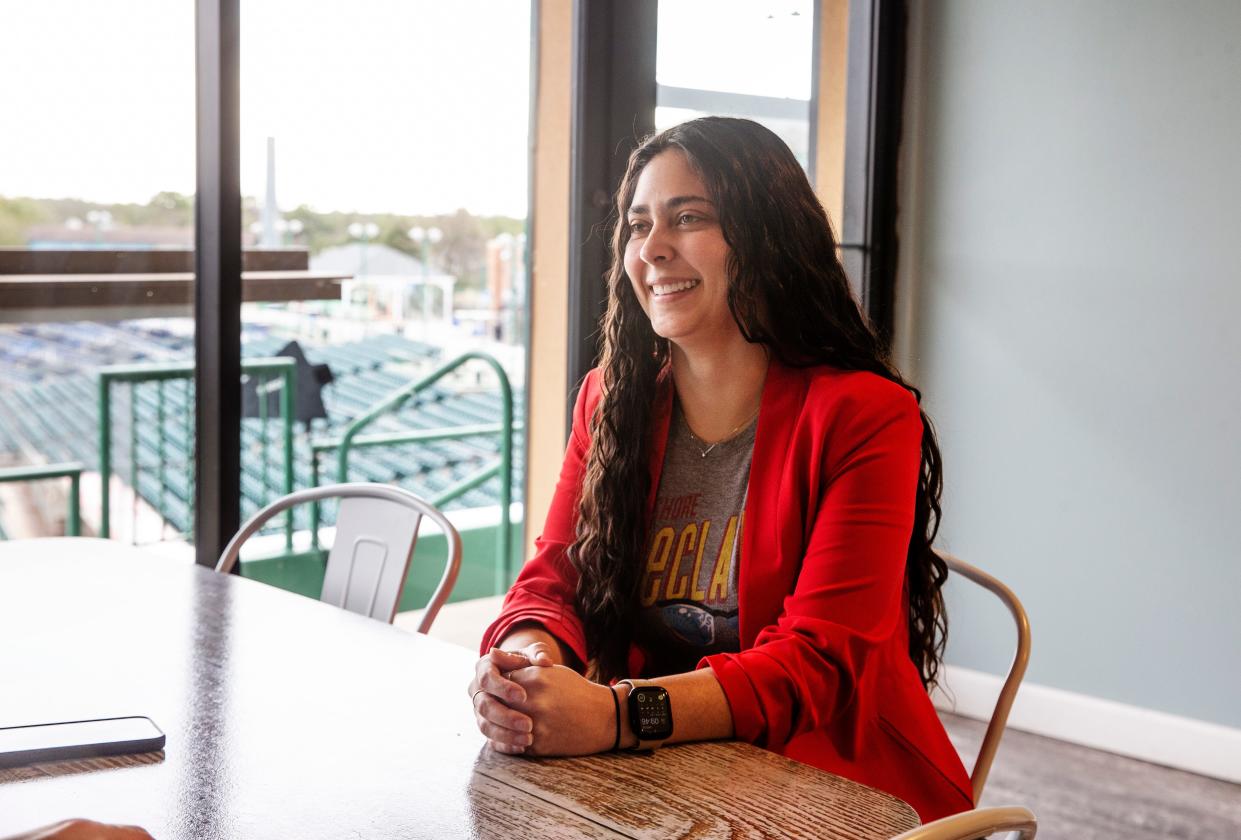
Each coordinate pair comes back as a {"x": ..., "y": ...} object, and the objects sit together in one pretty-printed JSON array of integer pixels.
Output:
[{"x": 671, "y": 204}]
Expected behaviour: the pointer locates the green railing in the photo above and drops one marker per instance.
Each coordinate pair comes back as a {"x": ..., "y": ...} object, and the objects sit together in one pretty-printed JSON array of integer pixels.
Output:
[
  {"x": 71, "y": 470},
  {"x": 165, "y": 372},
  {"x": 353, "y": 439}
]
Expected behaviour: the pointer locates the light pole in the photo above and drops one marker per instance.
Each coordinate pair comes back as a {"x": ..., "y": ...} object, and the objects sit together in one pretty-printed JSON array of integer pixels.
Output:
[
  {"x": 101, "y": 220},
  {"x": 365, "y": 232},
  {"x": 424, "y": 238},
  {"x": 289, "y": 230}
]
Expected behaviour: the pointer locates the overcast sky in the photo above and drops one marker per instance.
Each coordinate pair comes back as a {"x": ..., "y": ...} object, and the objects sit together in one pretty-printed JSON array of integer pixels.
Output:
[{"x": 408, "y": 106}]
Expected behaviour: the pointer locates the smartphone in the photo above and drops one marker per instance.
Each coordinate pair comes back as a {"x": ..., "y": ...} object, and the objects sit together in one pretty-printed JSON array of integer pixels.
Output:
[{"x": 78, "y": 739}]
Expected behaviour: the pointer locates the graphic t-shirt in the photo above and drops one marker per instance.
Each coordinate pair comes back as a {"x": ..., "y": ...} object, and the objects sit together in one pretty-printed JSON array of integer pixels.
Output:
[{"x": 688, "y": 595}]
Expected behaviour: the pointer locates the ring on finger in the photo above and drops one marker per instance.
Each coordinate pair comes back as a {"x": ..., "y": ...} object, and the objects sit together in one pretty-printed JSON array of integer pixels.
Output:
[{"x": 474, "y": 695}]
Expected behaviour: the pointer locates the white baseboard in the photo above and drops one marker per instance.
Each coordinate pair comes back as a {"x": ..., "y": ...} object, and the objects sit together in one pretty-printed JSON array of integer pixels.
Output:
[{"x": 1184, "y": 743}]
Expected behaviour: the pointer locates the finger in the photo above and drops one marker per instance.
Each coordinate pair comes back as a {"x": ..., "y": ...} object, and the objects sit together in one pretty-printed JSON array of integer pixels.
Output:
[
  {"x": 497, "y": 661},
  {"x": 539, "y": 653},
  {"x": 507, "y": 660},
  {"x": 493, "y": 681},
  {"x": 504, "y": 736},
  {"x": 506, "y": 749},
  {"x": 490, "y": 709}
]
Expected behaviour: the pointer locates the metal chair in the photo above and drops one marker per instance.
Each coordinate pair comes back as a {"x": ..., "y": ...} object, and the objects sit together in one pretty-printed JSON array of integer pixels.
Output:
[
  {"x": 979, "y": 823},
  {"x": 983, "y": 822},
  {"x": 376, "y": 529},
  {"x": 1016, "y": 671}
]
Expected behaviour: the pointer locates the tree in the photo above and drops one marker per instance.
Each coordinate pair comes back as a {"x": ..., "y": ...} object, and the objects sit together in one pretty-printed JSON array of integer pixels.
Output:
[
  {"x": 461, "y": 252},
  {"x": 16, "y": 217}
]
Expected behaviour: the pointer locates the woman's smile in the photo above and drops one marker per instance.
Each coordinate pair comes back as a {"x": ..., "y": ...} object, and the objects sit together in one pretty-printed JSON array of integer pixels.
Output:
[
  {"x": 666, "y": 288},
  {"x": 676, "y": 256}
]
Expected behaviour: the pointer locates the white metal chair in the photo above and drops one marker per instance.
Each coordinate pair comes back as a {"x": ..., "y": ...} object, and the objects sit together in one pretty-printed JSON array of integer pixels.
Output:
[
  {"x": 979, "y": 823},
  {"x": 1016, "y": 671},
  {"x": 376, "y": 529}
]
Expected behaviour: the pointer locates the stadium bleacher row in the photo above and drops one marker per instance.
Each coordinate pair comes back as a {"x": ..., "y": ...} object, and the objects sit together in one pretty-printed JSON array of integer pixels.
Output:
[
  {"x": 35, "y": 352},
  {"x": 49, "y": 407}
]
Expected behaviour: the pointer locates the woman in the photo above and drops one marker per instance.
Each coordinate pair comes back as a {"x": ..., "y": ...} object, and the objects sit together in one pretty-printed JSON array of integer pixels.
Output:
[{"x": 744, "y": 516}]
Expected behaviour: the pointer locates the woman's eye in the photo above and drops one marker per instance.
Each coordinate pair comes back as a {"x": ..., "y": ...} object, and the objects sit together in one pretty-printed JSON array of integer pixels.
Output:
[
  {"x": 688, "y": 218},
  {"x": 638, "y": 226}
]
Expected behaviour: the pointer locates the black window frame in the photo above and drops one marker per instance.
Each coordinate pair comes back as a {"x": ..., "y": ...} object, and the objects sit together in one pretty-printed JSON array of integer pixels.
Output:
[
  {"x": 874, "y": 98},
  {"x": 217, "y": 287},
  {"x": 613, "y": 110}
]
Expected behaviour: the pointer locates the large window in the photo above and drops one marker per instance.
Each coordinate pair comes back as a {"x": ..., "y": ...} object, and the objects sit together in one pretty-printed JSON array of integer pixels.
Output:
[
  {"x": 386, "y": 144},
  {"x": 383, "y": 173},
  {"x": 96, "y": 239}
]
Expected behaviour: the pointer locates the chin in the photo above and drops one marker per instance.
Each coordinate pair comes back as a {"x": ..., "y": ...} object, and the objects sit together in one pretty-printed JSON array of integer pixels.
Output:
[{"x": 668, "y": 332}]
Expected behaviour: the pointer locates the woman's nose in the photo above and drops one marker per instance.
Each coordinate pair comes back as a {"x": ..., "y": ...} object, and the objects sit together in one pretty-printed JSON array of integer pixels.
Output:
[{"x": 656, "y": 247}]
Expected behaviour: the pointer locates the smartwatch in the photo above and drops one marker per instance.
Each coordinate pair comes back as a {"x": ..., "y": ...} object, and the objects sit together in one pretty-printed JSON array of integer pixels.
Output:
[{"x": 650, "y": 714}]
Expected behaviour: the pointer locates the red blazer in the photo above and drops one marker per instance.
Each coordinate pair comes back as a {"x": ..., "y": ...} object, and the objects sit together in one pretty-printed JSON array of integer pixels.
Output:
[{"x": 824, "y": 674}]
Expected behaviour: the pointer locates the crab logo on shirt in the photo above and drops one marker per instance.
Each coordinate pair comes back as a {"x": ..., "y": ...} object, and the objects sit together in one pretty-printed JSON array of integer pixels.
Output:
[
  {"x": 693, "y": 624},
  {"x": 698, "y": 626}
]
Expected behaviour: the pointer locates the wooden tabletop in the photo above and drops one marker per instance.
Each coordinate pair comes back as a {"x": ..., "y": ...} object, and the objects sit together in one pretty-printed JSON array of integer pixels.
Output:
[{"x": 286, "y": 717}]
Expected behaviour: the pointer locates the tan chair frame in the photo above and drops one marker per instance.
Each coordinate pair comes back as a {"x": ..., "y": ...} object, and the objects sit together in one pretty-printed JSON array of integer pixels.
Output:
[
  {"x": 361, "y": 490},
  {"x": 979, "y": 823},
  {"x": 1016, "y": 671}
]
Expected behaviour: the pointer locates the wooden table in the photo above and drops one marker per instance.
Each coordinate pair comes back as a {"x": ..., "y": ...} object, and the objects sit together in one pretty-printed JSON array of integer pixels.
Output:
[{"x": 289, "y": 718}]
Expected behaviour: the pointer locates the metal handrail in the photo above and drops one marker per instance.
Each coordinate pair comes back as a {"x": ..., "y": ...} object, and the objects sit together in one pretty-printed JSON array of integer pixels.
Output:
[
  {"x": 352, "y": 438},
  {"x": 165, "y": 371},
  {"x": 71, "y": 470}
]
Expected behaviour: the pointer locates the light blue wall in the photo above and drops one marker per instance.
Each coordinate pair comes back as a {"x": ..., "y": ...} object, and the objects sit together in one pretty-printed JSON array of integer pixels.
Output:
[{"x": 1071, "y": 296}]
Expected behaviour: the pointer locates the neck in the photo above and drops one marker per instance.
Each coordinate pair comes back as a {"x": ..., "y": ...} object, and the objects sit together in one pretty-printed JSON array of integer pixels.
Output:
[{"x": 721, "y": 389}]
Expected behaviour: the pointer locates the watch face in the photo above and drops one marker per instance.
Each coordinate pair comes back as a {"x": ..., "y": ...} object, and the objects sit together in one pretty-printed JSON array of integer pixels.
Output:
[{"x": 650, "y": 713}]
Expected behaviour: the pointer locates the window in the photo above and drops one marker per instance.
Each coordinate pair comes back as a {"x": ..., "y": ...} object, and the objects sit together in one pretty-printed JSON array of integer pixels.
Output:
[
  {"x": 386, "y": 144},
  {"x": 96, "y": 239},
  {"x": 383, "y": 172},
  {"x": 737, "y": 59}
]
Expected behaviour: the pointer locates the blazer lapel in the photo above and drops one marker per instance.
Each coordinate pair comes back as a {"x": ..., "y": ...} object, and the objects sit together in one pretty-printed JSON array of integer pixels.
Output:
[{"x": 758, "y": 584}]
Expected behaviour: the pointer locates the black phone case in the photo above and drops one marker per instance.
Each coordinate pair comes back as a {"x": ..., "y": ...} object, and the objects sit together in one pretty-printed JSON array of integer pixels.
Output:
[{"x": 86, "y": 749}]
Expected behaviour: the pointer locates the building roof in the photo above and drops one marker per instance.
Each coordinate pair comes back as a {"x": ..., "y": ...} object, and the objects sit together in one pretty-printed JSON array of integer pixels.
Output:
[{"x": 358, "y": 259}]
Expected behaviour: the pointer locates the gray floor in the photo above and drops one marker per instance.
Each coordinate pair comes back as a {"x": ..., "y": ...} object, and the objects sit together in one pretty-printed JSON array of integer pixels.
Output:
[{"x": 1086, "y": 794}]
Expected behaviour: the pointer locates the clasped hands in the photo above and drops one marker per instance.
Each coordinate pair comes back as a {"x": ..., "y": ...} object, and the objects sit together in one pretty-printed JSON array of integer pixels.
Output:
[{"x": 526, "y": 704}]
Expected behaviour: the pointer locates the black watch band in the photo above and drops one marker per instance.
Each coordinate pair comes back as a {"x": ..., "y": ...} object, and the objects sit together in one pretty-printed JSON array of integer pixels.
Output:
[{"x": 650, "y": 713}]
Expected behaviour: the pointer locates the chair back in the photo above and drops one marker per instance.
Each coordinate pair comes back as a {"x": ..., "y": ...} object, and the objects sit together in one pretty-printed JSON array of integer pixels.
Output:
[
  {"x": 1016, "y": 671},
  {"x": 978, "y": 824},
  {"x": 376, "y": 530}
]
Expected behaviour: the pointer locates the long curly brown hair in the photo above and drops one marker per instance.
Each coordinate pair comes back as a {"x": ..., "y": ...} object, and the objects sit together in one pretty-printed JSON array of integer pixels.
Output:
[{"x": 788, "y": 292}]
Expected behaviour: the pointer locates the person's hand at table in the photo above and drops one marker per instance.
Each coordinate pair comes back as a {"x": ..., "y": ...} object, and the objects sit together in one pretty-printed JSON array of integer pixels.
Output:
[
  {"x": 496, "y": 697},
  {"x": 570, "y": 714},
  {"x": 84, "y": 830}
]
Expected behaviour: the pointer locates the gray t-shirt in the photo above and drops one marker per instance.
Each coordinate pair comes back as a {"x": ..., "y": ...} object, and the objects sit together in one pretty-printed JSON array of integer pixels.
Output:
[{"x": 688, "y": 595}]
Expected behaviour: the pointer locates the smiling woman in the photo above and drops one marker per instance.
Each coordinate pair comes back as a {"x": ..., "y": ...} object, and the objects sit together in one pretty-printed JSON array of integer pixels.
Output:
[{"x": 739, "y": 544}]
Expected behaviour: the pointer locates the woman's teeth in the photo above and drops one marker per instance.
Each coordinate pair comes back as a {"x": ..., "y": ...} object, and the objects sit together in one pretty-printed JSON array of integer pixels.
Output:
[{"x": 669, "y": 288}]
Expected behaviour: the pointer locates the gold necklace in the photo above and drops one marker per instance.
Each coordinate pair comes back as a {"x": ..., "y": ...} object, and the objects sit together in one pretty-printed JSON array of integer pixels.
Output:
[{"x": 698, "y": 441}]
